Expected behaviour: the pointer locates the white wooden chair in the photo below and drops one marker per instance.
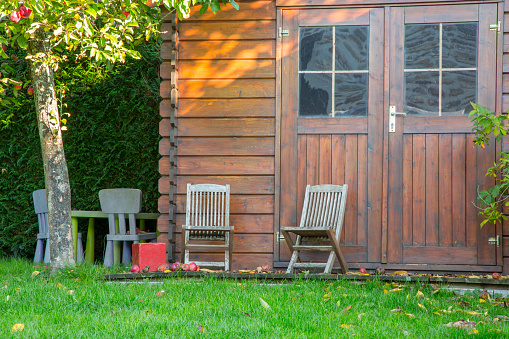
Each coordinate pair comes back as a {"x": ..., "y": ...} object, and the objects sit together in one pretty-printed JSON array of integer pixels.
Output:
[
  {"x": 119, "y": 203},
  {"x": 321, "y": 221},
  {"x": 208, "y": 222}
]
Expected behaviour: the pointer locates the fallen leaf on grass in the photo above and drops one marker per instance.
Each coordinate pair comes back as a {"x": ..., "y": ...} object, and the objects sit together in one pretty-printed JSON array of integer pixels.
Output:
[
  {"x": 465, "y": 324},
  {"x": 18, "y": 327},
  {"x": 161, "y": 293},
  {"x": 473, "y": 332},
  {"x": 402, "y": 273},
  {"x": 410, "y": 315},
  {"x": 422, "y": 307},
  {"x": 500, "y": 318},
  {"x": 347, "y": 309},
  {"x": 495, "y": 330},
  {"x": 148, "y": 311},
  {"x": 419, "y": 295},
  {"x": 35, "y": 274},
  {"x": 70, "y": 292},
  {"x": 484, "y": 295},
  {"x": 360, "y": 315},
  {"x": 201, "y": 329},
  {"x": 59, "y": 286},
  {"x": 7, "y": 299},
  {"x": 264, "y": 304},
  {"x": 396, "y": 310},
  {"x": 246, "y": 314},
  {"x": 395, "y": 290},
  {"x": 347, "y": 326}
]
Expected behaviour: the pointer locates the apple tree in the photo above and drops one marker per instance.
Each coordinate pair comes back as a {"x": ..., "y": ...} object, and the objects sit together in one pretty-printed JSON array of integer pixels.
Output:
[{"x": 106, "y": 31}]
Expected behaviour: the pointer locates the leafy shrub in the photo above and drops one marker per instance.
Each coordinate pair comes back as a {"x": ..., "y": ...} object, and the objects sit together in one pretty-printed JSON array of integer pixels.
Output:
[{"x": 112, "y": 141}]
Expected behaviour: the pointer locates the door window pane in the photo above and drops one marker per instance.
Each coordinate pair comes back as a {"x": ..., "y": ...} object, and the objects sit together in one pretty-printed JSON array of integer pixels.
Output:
[
  {"x": 315, "y": 49},
  {"x": 421, "y": 94},
  {"x": 333, "y": 84},
  {"x": 460, "y": 45},
  {"x": 351, "y": 48},
  {"x": 315, "y": 94},
  {"x": 422, "y": 46},
  {"x": 458, "y": 90},
  {"x": 440, "y": 68},
  {"x": 351, "y": 94}
]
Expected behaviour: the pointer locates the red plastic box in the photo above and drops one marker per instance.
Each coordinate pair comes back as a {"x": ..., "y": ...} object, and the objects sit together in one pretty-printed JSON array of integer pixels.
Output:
[{"x": 151, "y": 254}]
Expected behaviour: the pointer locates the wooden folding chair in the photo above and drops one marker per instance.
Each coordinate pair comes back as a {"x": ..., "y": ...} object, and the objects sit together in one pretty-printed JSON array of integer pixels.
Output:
[
  {"x": 208, "y": 222},
  {"x": 321, "y": 221}
]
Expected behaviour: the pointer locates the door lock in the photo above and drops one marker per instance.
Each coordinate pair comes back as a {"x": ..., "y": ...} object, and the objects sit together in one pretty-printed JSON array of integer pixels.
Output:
[{"x": 392, "y": 118}]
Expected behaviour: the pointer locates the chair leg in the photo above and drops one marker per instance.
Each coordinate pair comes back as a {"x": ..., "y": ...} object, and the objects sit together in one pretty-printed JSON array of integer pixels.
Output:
[
  {"x": 229, "y": 252},
  {"x": 47, "y": 258},
  {"x": 108, "y": 255},
  {"x": 337, "y": 250},
  {"x": 183, "y": 247},
  {"x": 80, "y": 258},
  {"x": 293, "y": 260},
  {"x": 126, "y": 253},
  {"x": 39, "y": 251},
  {"x": 330, "y": 262}
]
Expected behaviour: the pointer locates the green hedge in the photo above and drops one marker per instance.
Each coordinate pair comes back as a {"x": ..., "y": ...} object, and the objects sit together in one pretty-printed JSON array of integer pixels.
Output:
[{"x": 112, "y": 141}]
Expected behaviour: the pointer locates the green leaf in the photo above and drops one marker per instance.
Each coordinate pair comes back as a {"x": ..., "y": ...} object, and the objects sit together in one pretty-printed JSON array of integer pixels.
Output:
[
  {"x": 215, "y": 6},
  {"x": 204, "y": 8},
  {"x": 22, "y": 42},
  {"x": 234, "y": 4}
]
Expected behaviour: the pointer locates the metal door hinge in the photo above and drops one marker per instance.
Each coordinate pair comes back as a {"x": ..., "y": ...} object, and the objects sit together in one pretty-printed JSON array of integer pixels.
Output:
[
  {"x": 279, "y": 237},
  {"x": 282, "y": 32},
  {"x": 494, "y": 241},
  {"x": 495, "y": 27}
]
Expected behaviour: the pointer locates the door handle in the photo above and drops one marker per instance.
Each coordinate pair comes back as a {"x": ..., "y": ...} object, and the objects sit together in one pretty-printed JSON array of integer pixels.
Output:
[{"x": 392, "y": 118}]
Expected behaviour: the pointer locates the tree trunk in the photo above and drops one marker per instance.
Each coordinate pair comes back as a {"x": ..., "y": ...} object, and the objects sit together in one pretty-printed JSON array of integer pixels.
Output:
[{"x": 56, "y": 176}]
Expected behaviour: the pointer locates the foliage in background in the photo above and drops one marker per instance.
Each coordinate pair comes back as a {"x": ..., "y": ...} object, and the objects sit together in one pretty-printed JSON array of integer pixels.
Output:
[
  {"x": 112, "y": 141},
  {"x": 487, "y": 125}
]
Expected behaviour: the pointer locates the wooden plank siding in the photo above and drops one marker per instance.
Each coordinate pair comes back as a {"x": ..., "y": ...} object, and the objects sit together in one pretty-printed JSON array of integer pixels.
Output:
[
  {"x": 225, "y": 117},
  {"x": 505, "y": 142}
]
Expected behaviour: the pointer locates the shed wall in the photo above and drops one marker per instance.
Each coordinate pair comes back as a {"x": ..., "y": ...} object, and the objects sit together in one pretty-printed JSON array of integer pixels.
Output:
[{"x": 224, "y": 110}]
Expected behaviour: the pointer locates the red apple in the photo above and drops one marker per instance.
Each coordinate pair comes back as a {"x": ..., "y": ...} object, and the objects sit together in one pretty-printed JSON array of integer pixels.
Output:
[
  {"x": 163, "y": 267},
  {"x": 193, "y": 267},
  {"x": 15, "y": 16},
  {"x": 495, "y": 275},
  {"x": 135, "y": 269},
  {"x": 175, "y": 266},
  {"x": 362, "y": 270},
  {"x": 24, "y": 12},
  {"x": 146, "y": 269},
  {"x": 30, "y": 91},
  {"x": 15, "y": 58},
  {"x": 126, "y": 13},
  {"x": 17, "y": 87},
  {"x": 185, "y": 267}
]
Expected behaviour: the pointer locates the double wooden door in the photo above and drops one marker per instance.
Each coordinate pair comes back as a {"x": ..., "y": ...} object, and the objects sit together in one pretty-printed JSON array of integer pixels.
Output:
[{"x": 378, "y": 98}]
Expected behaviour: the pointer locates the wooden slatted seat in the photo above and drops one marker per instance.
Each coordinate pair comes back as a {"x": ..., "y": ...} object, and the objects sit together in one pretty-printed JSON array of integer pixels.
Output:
[
  {"x": 321, "y": 221},
  {"x": 208, "y": 222}
]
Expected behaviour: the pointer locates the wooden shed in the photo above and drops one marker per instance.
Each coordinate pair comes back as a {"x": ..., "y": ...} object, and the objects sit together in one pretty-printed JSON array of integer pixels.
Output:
[{"x": 285, "y": 93}]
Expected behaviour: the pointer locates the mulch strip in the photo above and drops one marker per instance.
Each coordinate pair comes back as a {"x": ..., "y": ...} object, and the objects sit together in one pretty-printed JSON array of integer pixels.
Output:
[{"x": 481, "y": 282}]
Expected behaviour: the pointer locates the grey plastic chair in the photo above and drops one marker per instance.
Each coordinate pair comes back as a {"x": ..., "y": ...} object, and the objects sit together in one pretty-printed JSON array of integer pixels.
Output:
[
  {"x": 41, "y": 209},
  {"x": 119, "y": 204}
]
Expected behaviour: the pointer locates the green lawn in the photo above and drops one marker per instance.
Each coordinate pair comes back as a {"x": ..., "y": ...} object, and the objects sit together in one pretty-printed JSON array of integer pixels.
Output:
[{"x": 79, "y": 304}]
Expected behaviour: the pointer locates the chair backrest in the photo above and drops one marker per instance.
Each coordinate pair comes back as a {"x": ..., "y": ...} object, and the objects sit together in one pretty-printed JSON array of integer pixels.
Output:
[
  {"x": 324, "y": 206},
  {"x": 208, "y": 205},
  {"x": 121, "y": 201},
  {"x": 41, "y": 209}
]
